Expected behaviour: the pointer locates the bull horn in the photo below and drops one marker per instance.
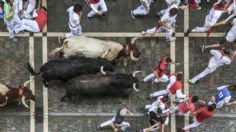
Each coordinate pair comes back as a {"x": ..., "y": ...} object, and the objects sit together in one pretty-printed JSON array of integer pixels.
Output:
[
  {"x": 102, "y": 70},
  {"x": 53, "y": 52},
  {"x": 135, "y": 72},
  {"x": 134, "y": 87},
  {"x": 23, "y": 102},
  {"x": 134, "y": 39},
  {"x": 132, "y": 56},
  {"x": 27, "y": 82},
  {"x": 104, "y": 54}
]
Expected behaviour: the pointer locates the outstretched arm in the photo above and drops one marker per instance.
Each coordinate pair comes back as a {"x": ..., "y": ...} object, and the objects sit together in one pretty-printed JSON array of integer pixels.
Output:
[
  {"x": 231, "y": 103},
  {"x": 224, "y": 21}
]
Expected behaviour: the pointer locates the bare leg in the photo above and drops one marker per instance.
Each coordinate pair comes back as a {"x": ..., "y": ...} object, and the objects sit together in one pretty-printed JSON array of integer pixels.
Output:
[{"x": 212, "y": 46}]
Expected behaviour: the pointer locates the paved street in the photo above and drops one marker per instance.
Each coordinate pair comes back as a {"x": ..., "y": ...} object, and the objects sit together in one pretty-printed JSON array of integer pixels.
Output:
[{"x": 83, "y": 114}]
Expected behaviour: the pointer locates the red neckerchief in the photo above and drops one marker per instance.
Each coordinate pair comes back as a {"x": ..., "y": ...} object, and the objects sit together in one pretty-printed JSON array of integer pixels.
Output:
[
  {"x": 218, "y": 7},
  {"x": 222, "y": 54}
]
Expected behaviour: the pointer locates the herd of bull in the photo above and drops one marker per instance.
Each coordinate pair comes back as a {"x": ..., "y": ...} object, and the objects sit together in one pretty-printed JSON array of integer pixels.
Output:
[{"x": 85, "y": 66}]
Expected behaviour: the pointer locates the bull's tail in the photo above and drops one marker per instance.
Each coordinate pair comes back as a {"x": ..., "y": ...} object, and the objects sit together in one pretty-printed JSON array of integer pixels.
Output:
[{"x": 31, "y": 70}]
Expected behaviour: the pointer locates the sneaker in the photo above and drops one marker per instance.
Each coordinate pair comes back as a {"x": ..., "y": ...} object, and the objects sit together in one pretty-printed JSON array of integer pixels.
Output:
[
  {"x": 14, "y": 39},
  {"x": 199, "y": 8},
  {"x": 132, "y": 15},
  {"x": 188, "y": 31},
  {"x": 203, "y": 48},
  {"x": 191, "y": 81},
  {"x": 159, "y": 14},
  {"x": 171, "y": 39},
  {"x": 98, "y": 127},
  {"x": 143, "y": 32}
]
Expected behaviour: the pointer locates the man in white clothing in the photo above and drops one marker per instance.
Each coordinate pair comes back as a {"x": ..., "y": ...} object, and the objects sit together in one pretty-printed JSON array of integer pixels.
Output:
[
  {"x": 75, "y": 14},
  {"x": 215, "y": 13},
  {"x": 26, "y": 8},
  {"x": 219, "y": 58},
  {"x": 174, "y": 87},
  {"x": 165, "y": 24},
  {"x": 229, "y": 38},
  {"x": 222, "y": 97},
  {"x": 143, "y": 9},
  {"x": 117, "y": 121},
  {"x": 94, "y": 5},
  {"x": 161, "y": 103}
]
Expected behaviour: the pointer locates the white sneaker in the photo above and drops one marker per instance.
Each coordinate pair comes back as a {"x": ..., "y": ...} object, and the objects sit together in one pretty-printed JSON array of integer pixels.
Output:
[
  {"x": 143, "y": 32},
  {"x": 203, "y": 48},
  {"x": 132, "y": 15},
  {"x": 171, "y": 39},
  {"x": 191, "y": 81}
]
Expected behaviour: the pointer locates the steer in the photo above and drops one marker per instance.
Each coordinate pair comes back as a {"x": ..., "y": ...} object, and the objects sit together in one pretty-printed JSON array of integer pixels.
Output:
[
  {"x": 111, "y": 84},
  {"x": 93, "y": 48},
  {"x": 9, "y": 94},
  {"x": 67, "y": 69}
]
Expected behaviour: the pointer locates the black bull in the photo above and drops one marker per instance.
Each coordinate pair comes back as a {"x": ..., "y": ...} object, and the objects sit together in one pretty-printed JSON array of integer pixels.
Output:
[
  {"x": 98, "y": 84},
  {"x": 67, "y": 69}
]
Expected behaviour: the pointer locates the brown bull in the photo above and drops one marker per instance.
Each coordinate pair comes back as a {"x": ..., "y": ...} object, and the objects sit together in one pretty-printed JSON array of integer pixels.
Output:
[{"x": 9, "y": 94}]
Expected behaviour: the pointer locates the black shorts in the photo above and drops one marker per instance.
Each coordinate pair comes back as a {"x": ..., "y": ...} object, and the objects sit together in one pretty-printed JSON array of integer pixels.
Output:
[{"x": 224, "y": 41}]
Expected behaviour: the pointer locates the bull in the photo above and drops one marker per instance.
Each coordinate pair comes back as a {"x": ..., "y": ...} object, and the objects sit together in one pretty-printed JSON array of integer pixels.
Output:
[
  {"x": 67, "y": 69},
  {"x": 93, "y": 48},
  {"x": 111, "y": 84},
  {"x": 10, "y": 94}
]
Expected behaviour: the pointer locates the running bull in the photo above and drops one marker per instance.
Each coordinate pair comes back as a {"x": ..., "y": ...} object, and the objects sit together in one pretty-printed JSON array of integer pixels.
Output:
[
  {"x": 98, "y": 84},
  {"x": 10, "y": 94},
  {"x": 67, "y": 69},
  {"x": 93, "y": 48}
]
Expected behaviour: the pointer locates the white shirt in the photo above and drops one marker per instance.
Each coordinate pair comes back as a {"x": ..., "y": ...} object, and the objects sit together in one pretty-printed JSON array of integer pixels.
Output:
[
  {"x": 123, "y": 112},
  {"x": 171, "y": 2},
  {"x": 213, "y": 16},
  {"x": 232, "y": 8},
  {"x": 166, "y": 17},
  {"x": 147, "y": 2},
  {"x": 233, "y": 28},
  {"x": 217, "y": 59},
  {"x": 74, "y": 19},
  {"x": 158, "y": 104},
  {"x": 31, "y": 2},
  {"x": 172, "y": 80}
]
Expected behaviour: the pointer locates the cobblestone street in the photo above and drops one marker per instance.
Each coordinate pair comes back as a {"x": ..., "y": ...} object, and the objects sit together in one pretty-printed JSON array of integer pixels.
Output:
[{"x": 74, "y": 116}]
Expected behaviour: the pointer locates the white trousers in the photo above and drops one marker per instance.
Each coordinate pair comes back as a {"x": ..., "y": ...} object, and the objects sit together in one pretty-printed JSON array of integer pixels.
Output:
[
  {"x": 74, "y": 32},
  {"x": 100, "y": 4},
  {"x": 29, "y": 10},
  {"x": 207, "y": 25},
  {"x": 207, "y": 71},
  {"x": 164, "y": 78},
  {"x": 194, "y": 124},
  {"x": 17, "y": 21},
  {"x": 168, "y": 31},
  {"x": 10, "y": 28},
  {"x": 141, "y": 10},
  {"x": 123, "y": 125},
  {"x": 159, "y": 93},
  {"x": 230, "y": 37},
  {"x": 152, "y": 107},
  {"x": 29, "y": 25}
]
